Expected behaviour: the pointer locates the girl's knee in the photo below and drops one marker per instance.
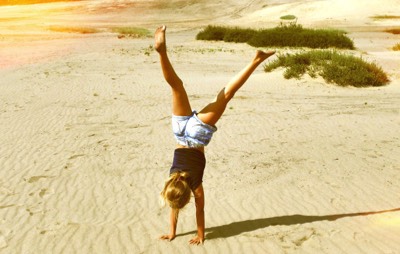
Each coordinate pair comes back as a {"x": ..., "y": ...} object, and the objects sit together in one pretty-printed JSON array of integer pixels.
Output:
[
  {"x": 225, "y": 96},
  {"x": 228, "y": 95}
]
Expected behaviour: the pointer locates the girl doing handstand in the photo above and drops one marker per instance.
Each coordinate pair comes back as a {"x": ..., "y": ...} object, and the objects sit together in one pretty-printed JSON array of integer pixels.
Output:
[{"x": 193, "y": 131}]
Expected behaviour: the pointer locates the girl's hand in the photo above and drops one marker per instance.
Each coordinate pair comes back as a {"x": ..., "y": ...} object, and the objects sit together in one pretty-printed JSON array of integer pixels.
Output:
[
  {"x": 197, "y": 240},
  {"x": 168, "y": 237}
]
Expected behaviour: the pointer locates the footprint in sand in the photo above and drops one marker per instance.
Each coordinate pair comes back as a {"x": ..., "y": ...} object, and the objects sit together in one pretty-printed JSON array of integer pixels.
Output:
[
  {"x": 44, "y": 193},
  {"x": 34, "y": 179},
  {"x": 76, "y": 156},
  {"x": 69, "y": 164},
  {"x": 3, "y": 242},
  {"x": 5, "y": 233},
  {"x": 298, "y": 238},
  {"x": 6, "y": 206}
]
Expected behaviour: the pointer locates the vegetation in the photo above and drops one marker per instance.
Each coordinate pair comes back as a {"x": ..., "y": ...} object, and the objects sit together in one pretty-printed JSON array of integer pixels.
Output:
[
  {"x": 385, "y": 17},
  {"x": 341, "y": 69},
  {"x": 288, "y": 20},
  {"x": 131, "y": 31},
  {"x": 282, "y": 36},
  {"x": 393, "y": 31},
  {"x": 81, "y": 30},
  {"x": 135, "y": 32},
  {"x": 396, "y": 47},
  {"x": 288, "y": 17}
]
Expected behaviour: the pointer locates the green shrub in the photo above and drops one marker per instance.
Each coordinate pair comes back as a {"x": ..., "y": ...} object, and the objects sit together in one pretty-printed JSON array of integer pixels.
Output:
[
  {"x": 341, "y": 69},
  {"x": 219, "y": 33},
  {"x": 212, "y": 33},
  {"x": 288, "y": 17},
  {"x": 297, "y": 36},
  {"x": 282, "y": 36},
  {"x": 238, "y": 35},
  {"x": 131, "y": 31}
]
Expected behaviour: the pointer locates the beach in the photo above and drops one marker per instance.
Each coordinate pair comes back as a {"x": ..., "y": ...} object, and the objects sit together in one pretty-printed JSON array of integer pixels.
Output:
[{"x": 296, "y": 166}]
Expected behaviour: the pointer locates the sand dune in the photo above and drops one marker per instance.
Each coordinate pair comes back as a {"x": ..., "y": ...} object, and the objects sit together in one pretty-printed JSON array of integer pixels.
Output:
[{"x": 297, "y": 166}]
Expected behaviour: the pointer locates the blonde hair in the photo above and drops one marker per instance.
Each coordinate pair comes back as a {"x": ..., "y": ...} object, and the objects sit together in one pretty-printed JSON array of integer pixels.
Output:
[{"x": 177, "y": 191}]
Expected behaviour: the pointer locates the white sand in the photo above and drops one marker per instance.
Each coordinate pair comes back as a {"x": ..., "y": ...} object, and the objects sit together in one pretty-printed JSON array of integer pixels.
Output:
[{"x": 297, "y": 166}]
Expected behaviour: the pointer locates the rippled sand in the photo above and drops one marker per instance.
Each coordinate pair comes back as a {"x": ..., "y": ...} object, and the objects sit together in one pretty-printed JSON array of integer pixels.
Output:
[{"x": 297, "y": 166}]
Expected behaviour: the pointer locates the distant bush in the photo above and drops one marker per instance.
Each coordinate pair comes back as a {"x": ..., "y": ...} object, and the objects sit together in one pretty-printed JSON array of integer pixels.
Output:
[
  {"x": 396, "y": 47},
  {"x": 281, "y": 36},
  {"x": 131, "y": 31},
  {"x": 385, "y": 17},
  {"x": 228, "y": 34},
  {"x": 341, "y": 69},
  {"x": 393, "y": 31},
  {"x": 288, "y": 17},
  {"x": 288, "y": 20},
  {"x": 81, "y": 30},
  {"x": 239, "y": 35},
  {"x": 297, "y": 36}
]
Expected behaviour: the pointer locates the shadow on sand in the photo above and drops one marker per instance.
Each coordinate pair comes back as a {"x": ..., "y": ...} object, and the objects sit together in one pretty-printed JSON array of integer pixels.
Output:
[{"x": 237, "y": 228}]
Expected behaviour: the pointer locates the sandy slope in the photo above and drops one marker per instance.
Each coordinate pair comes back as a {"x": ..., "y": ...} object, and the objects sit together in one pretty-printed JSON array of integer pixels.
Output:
[{"x": 297, "y": 166}]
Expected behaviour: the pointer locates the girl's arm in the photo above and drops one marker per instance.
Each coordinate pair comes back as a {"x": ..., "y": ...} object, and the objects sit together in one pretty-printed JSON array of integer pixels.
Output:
[
  {"x": 199, "y": 200},
  {"x": 173, "y": 219}
]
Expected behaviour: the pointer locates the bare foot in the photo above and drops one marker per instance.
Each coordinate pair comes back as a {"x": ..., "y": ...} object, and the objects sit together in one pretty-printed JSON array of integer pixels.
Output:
[
  {"x": 159, "y": 37},
  {"x": 261, "y": 55}
]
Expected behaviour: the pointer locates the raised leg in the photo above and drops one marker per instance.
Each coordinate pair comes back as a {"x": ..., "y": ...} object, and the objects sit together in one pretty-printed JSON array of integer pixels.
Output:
[
  {"x": 180, "y": 101},
  {"x": 211, "y": 113}
]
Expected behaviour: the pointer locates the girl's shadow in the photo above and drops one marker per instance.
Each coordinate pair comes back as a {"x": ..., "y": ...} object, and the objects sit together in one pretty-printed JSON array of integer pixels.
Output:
[{"x": 237, "y": 228}]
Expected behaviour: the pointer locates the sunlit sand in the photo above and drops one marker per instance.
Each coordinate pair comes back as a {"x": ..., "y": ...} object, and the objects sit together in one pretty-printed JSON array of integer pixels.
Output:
[{"x": 296, "y": 166}]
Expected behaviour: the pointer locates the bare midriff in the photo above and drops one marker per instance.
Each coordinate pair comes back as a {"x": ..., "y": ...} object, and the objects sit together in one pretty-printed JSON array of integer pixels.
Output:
[{"x": 201, "y": 148}]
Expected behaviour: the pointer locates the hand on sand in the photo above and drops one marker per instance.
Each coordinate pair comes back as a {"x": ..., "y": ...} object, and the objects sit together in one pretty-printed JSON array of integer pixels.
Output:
[
  {"x": 168, "y": 237},
  {"x": 197, "y": 240}
]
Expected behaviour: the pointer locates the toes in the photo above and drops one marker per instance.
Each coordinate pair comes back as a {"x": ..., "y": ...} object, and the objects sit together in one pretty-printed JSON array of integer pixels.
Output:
[{"x": 162, "y": 28}]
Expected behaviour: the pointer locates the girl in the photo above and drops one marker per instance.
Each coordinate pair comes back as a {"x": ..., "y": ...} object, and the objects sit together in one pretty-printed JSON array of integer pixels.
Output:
[{"x": 193, "y": 131}]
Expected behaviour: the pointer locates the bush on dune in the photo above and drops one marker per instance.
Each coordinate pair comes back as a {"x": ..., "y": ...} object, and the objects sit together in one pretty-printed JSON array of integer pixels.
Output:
[
  {"x": 297, "y": 36},
  {"x": 385, "y": 17},
  {"x": 393, "y": 31},
  {"x": 282, "y": 36},
  {"x": 341, "y": 69},
  {"x": 131, "y": 31},
  {"x": 238, "y": 35},
  {"x": 220, "y": 33}
]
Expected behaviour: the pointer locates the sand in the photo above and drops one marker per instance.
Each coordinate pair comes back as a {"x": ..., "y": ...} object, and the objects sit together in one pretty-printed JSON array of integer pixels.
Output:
[{"x": 296, "y": 166}]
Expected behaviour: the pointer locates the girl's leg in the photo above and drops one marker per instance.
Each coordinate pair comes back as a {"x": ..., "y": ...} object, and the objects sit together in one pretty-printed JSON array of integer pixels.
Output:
[
  {"x": 213, "y": 111},
  {"x": 180, "y": 101}
]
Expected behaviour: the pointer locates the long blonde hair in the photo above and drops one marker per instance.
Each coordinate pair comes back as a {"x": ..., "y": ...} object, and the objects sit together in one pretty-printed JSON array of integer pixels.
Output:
[{"x": 176, "y": 190}]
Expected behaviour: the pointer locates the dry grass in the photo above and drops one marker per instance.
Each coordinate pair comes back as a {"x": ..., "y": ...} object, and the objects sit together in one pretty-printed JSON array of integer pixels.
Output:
[
  {"x": 396, "y": 47},
  {"x": 131, "y": 31},
  {"x": 385, "y": 17},
  {"x": 393, "y": 31},
  {"x": 80, "y": 30}
]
